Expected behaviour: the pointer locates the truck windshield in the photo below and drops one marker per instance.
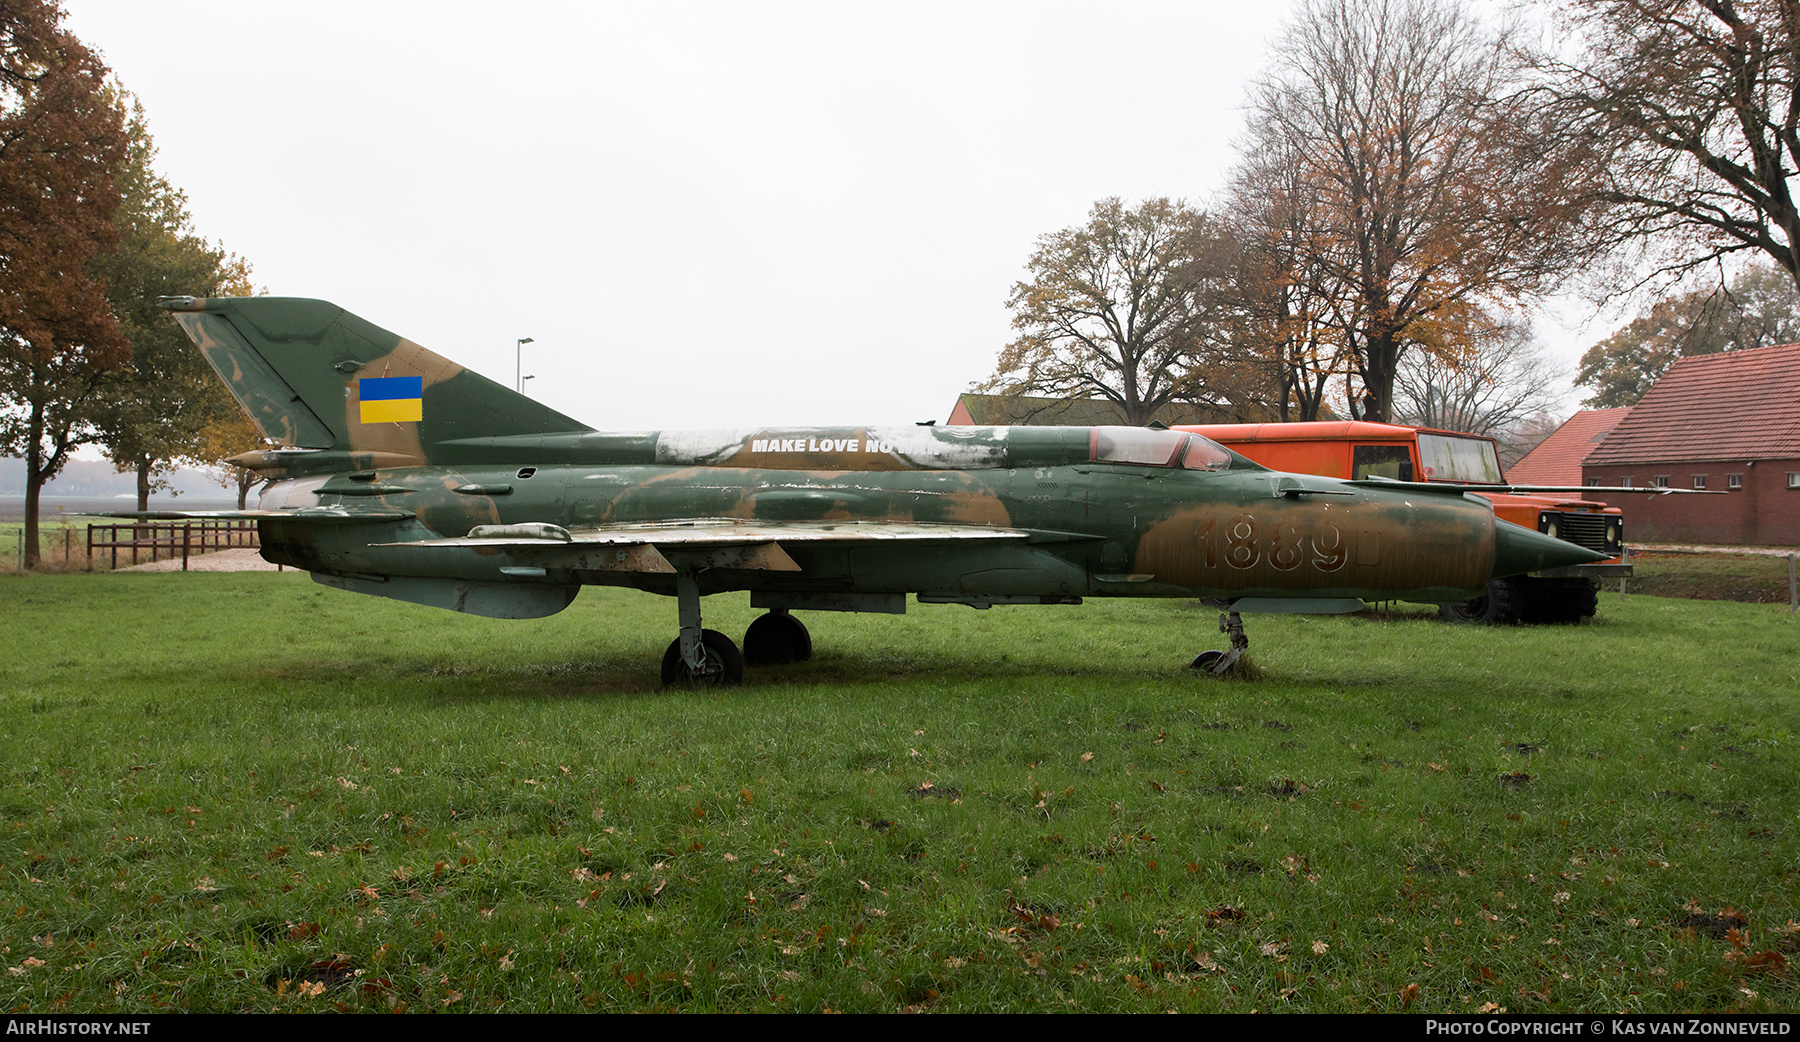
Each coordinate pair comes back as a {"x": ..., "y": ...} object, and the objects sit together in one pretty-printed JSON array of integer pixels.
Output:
[{"x": 1458, "y": 459}]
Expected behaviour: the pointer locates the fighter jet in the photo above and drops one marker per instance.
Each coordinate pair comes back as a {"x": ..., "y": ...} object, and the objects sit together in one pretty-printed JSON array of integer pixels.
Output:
[{"x": 401, "y": 474}]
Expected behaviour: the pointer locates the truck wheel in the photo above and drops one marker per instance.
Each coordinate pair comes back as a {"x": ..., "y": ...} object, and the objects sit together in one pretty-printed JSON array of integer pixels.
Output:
[
  {"x": 1585, "y": 600},
  {"x": 1499, "y": 608},
  {"x": 1563, "y": 601},
  {"x": 1570, "y": 601}
]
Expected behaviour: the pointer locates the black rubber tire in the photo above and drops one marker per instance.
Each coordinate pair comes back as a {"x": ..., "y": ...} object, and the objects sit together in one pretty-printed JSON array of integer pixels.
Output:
[
  {"x": 776, "y": 639},
  {"x": 1500, "y": 607},
  {"x": 1560, "y": 602},
  {"x": 1206, "y": 660},
  {"x": 1584, "y": 600},
  {"x": 719, "y": 649}
]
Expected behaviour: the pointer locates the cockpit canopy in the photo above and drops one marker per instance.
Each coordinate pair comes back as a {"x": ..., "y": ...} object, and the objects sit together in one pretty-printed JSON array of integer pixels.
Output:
[{"x": 1149, "y": 447}]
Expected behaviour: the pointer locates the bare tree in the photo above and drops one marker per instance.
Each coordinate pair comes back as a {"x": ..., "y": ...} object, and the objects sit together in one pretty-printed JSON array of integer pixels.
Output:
[
  {"x": 1115, "y": 309},
  {"x": 1438, "y": 195},
  {"x": 1495, "y": 388},
  {"x": 1693, "y": 107},
  {"x": 1533, "y": 431}
]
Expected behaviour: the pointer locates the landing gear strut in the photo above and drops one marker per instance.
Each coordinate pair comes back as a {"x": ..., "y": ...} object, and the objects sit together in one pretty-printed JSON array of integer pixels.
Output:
[
  {"x": 1219, "y": 663},
  {"x": 699, "y": 656}
]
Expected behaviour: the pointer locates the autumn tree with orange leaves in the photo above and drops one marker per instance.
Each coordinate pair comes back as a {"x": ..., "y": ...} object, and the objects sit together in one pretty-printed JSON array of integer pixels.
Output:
[
  {"x": 62, "y": 139},
  {"x": 1436, "y": 197},
  {"x": 1281, "y": 304},
  {"x": 152, "y": 410}
]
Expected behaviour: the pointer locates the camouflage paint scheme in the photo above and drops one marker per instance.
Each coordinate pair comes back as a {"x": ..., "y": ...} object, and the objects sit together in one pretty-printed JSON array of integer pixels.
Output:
[{"x": 494, "y": 504}]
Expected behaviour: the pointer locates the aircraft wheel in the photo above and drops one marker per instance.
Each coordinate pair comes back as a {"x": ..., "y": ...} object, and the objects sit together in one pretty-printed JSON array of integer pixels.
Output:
[
  {"x": 1206, "y": 660},
  {"x": 720, "y": 653},
  {"x": 776, "y": 639},
  {"x": 1499, "y": 608}
]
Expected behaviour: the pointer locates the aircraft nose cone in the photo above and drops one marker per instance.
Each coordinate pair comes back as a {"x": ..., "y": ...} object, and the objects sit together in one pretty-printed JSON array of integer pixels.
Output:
[{"x": 1518, "y": 550}]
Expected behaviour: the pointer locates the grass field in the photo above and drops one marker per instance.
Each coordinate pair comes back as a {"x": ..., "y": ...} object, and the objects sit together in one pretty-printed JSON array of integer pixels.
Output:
[
  {"x": 63, "y": 542},
  {"x": 63, "y": 539},
  {"x": 1758, "y": 578},
  {"x": 248, "y": 792}
]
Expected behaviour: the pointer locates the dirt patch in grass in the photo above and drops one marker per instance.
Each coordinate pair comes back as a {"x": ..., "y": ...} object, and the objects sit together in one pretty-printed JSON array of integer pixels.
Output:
[
  {"x": 236, "y": 560},
  {"x": 1713, "y": 925}
]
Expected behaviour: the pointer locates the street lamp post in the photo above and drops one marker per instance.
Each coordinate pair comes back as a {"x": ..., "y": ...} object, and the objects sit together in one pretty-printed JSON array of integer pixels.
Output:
[{"x": 518, "y": 364}]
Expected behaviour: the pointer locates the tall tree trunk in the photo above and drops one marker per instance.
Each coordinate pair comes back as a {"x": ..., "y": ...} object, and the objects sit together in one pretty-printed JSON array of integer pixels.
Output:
[
  {"x": 143, "y": 483},
  {"x": 1380, "y": 363},
  {"x": 34, "y": 484},
  {"x": 35, "y": 478}
]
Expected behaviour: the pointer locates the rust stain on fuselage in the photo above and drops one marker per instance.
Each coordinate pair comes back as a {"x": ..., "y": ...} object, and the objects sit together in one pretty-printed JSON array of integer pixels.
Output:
[{"x": 1327, "y": 549}]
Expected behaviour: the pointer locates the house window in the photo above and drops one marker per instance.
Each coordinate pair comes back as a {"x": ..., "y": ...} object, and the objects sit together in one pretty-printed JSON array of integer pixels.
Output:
[
  {"x": 1699, "y": 480},
  {"x": 1734, "y": 481},
  {"x": 1593, "y": 482},
  {"x": 1625, "y": 482},
  {"x": 1660, "y": 481},
  {"x": 1793, "y": 479}
]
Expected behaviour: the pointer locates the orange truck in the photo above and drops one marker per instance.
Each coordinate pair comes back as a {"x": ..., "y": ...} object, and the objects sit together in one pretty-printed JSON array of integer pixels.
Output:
[{"x": 1357, "y": 449}]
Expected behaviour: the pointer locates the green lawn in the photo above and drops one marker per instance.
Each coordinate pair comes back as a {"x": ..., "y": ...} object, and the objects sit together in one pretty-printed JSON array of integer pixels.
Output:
[
  {"x": 249, "y": 792},
  {"x": 1759, "y": 578}
]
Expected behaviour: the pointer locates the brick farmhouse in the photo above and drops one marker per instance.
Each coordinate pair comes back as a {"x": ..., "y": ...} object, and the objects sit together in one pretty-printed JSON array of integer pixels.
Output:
[
  {"x": 1557, "y": 459},
  {"x": 1727, "y": 423}
]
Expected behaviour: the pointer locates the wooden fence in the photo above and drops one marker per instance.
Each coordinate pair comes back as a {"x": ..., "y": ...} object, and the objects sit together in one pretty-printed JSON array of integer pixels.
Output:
[{"x": 168, "y": 539}]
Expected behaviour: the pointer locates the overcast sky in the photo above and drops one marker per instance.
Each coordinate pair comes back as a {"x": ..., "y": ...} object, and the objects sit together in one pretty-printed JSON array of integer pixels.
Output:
[{"x": 705, "y": 214}]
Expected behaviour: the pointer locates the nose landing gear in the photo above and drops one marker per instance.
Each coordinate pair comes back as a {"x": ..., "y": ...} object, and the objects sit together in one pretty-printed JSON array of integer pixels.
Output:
[{"x": 1220, "y": 663}]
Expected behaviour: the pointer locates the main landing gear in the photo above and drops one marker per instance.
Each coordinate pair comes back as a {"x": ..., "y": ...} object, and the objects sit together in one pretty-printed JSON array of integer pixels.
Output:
[
  {"x": 720, "y": 664},
  {"x": 699, "y": 656},
  {"x": 776, "y": 639},
  {"x": 1219, "y": 663},
  {"x": 708, "y": 657}
]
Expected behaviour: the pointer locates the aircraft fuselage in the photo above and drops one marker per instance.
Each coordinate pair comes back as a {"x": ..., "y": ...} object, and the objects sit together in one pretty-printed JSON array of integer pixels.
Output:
[
  {"x": 406, "y": 475},
  {"x": 1096, "y": 528}
]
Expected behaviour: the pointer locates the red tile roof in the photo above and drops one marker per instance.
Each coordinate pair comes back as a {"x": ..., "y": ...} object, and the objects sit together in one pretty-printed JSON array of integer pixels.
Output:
[
  {"x": 1734, "y": 405},
  {"x": 1557, "y": 459}
]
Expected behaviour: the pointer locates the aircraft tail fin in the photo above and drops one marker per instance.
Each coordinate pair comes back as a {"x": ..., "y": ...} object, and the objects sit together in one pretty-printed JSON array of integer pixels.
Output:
[{"x": 314, "y": 376}]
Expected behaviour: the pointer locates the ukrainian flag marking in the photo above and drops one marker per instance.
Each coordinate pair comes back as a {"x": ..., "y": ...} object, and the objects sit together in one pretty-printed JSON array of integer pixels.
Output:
[{"x": 392, "y": 399}]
